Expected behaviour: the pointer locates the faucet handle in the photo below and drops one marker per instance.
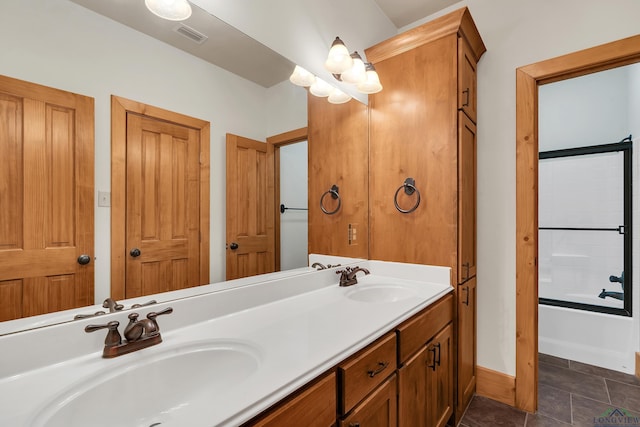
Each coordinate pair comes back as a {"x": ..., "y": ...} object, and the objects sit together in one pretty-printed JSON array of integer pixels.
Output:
[
  {"x": 152, "y": 326},
  {"x": 113, "y": 336},
  {"x": 112, "y": 305},
  {"x": 144, "y": 304}
]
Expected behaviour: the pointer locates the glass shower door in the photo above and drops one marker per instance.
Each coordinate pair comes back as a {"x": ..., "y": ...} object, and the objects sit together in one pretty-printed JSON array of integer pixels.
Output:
[{"x": 584, "y": 228}]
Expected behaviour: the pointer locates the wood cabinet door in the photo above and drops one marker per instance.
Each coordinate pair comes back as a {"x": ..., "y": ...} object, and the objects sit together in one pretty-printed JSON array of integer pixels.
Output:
[
  {"x": 467, "y": 195},
  {"x": 467, "y": 82},
  {"x": 440, "y": 381},
  {"x": 338, "y": 154},
  {"x": 313, "y": 407},
  {"x": 379, "y": 409},
  {"x": 46, "y": 199},
  {"x": 466, "y": 382},
  {"x": 412, "y": 390}
]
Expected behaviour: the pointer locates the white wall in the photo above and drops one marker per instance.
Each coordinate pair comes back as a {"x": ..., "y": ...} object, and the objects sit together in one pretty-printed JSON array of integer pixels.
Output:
[
  {"x": 63, "y": 45},
  {"x": 518, "y": 33}
]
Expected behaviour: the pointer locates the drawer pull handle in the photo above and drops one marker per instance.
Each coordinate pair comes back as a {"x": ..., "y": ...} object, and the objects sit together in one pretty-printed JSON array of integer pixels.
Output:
[
  {"x": 438, "y": 358},
  {"x": 354, "y": 424},
  {"x": 466, "y": 296},
  {"x": 433, "y": 367},
  {"x": 466, "y": 103},
  {"x": 381, "y": 367}
]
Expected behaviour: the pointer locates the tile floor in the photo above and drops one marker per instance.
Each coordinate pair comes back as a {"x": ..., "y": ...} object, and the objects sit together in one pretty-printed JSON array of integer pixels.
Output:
[{"x": 569, "y": 393}]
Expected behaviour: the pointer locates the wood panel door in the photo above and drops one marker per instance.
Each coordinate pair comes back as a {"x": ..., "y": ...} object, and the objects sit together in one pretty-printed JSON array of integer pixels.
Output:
[
  {"x": 163, "y": 165},
  {"x": 46, "y": 199},
  {"x": 250, "y": 207}
]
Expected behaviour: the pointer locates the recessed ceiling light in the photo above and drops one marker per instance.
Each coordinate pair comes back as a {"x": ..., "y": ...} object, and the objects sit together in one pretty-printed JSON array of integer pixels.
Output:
[{"x": 173, "y": 10}]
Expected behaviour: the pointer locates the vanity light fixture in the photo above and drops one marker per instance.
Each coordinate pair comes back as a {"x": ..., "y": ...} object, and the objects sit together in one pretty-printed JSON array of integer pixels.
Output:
[
  {"x": 339, "y": 60},
  {"x": 302, "y": 77},
  {"x": 372, "y": 82},
  {"x": 346, "y": 68},
  {"x": 172, "y": 10},
  {"x": 357, "y": 73},
  {"x": 338, "y": 97},
  {"x": 321, "y": 88}
]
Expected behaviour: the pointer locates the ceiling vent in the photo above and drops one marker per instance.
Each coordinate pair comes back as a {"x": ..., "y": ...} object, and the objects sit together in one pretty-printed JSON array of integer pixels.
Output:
[{"x": 190, "y": 33}]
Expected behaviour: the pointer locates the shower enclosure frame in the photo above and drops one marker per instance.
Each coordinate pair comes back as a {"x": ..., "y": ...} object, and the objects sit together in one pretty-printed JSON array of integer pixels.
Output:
[{"x": 625, "y": 146}]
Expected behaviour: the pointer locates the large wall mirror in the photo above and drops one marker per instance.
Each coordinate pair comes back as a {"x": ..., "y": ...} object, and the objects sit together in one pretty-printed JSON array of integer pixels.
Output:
[
  {"x": 76, "y": 47},
  {"x": 534, "y": 249}
]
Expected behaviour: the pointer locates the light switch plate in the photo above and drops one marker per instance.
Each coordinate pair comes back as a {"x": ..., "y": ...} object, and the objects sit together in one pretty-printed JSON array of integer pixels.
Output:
[{"x": 104, "y": 198}]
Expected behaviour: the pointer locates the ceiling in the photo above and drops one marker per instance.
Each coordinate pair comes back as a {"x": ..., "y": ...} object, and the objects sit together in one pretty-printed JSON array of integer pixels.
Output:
[{"x": 214, "y": 41}]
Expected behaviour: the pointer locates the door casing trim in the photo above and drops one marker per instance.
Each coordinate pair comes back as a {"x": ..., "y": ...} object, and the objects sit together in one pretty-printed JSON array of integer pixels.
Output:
[
  {"x": 528, "y": 78},
  {"x": 119, "y": 109}
]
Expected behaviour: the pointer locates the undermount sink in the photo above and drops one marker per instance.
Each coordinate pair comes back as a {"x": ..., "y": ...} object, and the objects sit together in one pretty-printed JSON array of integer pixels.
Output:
[
  {"x": 380, "y": 293},
  {"x": 167, "y": 388}
]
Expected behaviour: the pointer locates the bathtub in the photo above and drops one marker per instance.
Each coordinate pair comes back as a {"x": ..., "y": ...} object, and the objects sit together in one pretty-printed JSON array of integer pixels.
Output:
[{"x": 598, "y": 339}]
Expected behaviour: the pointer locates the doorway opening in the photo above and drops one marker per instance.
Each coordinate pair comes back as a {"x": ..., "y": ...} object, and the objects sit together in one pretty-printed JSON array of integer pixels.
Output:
[
  {"x": 292, "y": 158},
  {"x": 528, "y": 80},
  {"x": 293, "y": 209}
]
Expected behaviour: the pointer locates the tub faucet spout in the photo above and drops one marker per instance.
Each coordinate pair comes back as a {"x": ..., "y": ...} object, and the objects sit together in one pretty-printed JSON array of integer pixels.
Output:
[{"x": 611, "y": 294}]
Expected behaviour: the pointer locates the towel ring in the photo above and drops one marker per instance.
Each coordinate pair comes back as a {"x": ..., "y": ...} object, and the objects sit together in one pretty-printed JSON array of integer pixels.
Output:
[
  {"x": 409, "y": 186},
  {"x": 335, "y": 195}
]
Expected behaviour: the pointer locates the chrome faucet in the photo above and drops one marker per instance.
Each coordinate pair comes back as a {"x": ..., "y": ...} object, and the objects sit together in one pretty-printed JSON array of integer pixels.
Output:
[
  {"x": 139, "y": 334},
  {"x": 348, "y": 275}
]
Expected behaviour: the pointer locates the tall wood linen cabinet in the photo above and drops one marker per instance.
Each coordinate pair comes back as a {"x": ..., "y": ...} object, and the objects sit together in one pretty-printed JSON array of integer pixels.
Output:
[{"x": 422, "y": 132}]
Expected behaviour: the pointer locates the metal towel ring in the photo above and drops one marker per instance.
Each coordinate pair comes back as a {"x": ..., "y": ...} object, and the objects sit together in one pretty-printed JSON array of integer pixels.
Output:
[
  {"x": 335, "y": 195},
  {"x": 409, "y": 186}
]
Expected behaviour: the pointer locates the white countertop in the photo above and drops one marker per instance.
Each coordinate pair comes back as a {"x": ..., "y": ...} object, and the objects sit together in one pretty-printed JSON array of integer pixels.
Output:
[{"x": 293, "y": 338}]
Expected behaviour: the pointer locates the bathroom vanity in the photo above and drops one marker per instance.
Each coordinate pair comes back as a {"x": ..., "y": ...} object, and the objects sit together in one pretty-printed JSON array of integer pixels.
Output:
[{"x": 292, "y": 350}]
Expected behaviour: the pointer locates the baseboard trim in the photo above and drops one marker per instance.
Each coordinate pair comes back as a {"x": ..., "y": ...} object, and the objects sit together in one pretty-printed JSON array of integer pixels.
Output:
[{"x": 497, "y": 386}]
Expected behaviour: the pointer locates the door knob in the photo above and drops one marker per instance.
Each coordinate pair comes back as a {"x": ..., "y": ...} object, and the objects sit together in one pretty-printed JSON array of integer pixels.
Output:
[
  {"x": 233, "y": 246},
  {"x": 84, "y": 259},
  {"x": 135, "y": 252}
]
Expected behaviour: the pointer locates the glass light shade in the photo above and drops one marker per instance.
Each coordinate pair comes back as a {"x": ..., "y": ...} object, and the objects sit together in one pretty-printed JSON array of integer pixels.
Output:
[
  {"x": 372, "y": 84},
  {"x": 172, "y": 10},
  {"x": 338, "y": 97},
  {"x": 339, "y": 59},
  {"x": 357, "y": 73},
  {"x": 302, "y": 77},
  {"x": 320, "y": 88}
]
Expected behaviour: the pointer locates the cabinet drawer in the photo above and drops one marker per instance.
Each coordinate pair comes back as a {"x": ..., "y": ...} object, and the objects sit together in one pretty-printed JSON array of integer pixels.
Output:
[
  {"x": 415, "y": 332},
  {"x": 363, "y": 372}
]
